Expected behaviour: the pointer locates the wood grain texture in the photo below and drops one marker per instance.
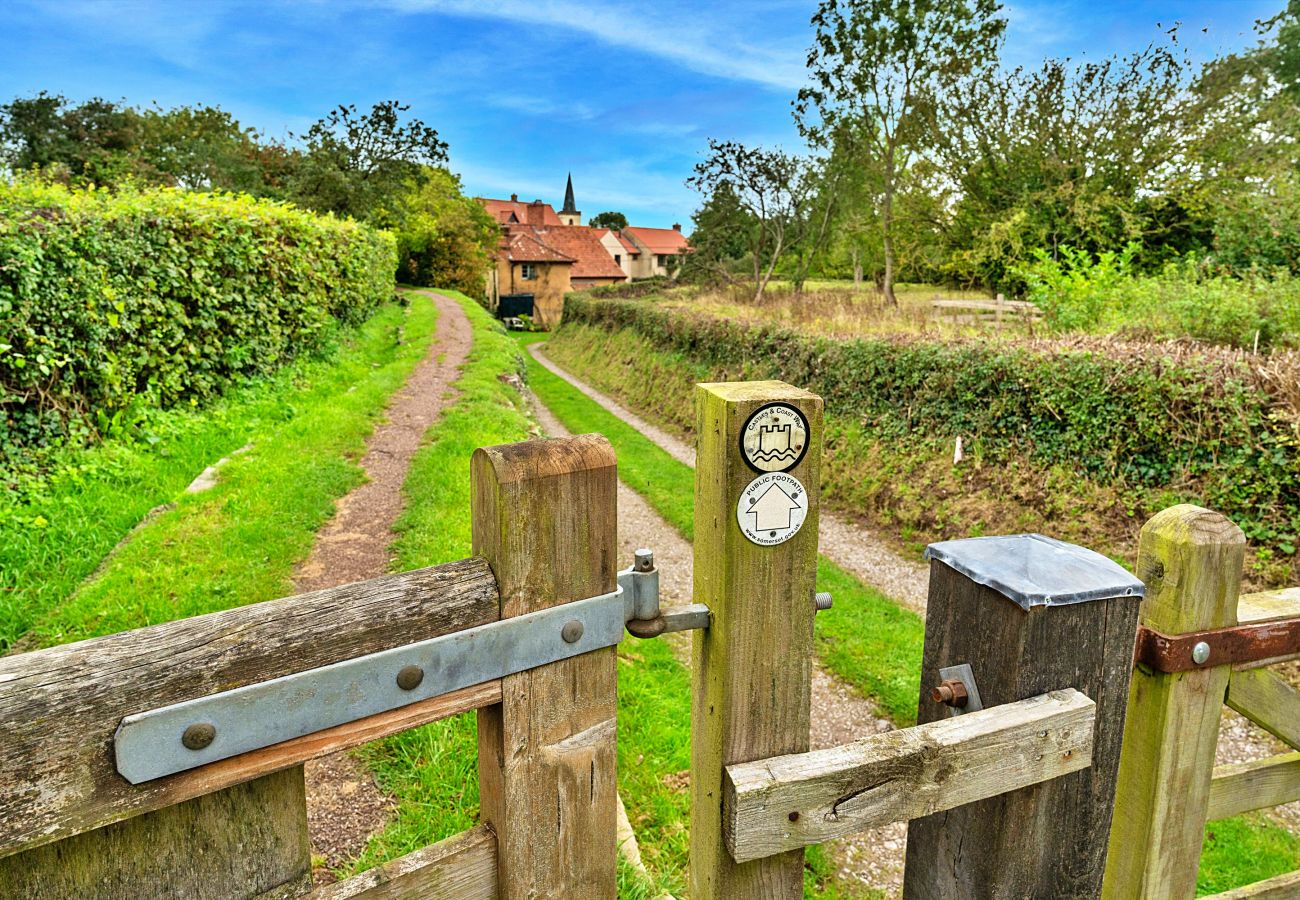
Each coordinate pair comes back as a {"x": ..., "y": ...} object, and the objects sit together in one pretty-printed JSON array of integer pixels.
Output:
[
  {"x": 1269, "y": 605},
  {"x": 792, "y": 801},
  {"x": 248, "y": 840},
  {"x": 1191, "y": 560},
  {"x": 1282, "y": 887},
  {"x": 544, "y": 517},
  {"x": 752, "y": 668},
  {"x": 60, "y": 707},
  {"x": 1258, "y": 784},
  {"x": 461, "y": 867},
  {"x": 1046, "y": 840},
  {"x": 1269, "y": 701}
]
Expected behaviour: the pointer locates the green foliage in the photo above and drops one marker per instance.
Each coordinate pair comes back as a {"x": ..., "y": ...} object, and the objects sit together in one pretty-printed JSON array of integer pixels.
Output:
[
  {"x": 113, "y": 303},
  {"x": 613, "y": 219},
  {"x": 1135, "y": 417},
  {"x": 444, "y": 239},
  {"x": 1078, "y": 293}
]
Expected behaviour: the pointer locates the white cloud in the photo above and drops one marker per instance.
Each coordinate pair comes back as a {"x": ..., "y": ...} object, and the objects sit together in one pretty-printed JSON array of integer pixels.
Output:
[{"x": 695, "y": 37}]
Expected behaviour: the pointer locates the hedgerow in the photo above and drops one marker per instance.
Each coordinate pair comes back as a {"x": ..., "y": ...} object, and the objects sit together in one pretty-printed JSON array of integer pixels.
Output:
[
  {"x": 1155, "y": 417},
  {"x": 113, "y": 302}
]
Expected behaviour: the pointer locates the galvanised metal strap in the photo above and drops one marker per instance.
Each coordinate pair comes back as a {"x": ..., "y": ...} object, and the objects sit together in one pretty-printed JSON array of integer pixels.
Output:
[{"x": 194, "y": 732}]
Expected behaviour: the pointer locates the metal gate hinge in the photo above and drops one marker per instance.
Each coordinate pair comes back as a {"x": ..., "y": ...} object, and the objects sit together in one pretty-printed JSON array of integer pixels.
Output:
[
  {"x": 1197, "y": 649},
  {"x": 195, "y": 732}
]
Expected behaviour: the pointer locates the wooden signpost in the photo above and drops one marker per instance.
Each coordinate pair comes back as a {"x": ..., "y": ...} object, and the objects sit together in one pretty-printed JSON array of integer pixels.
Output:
[{"x": 752, "y": 667}]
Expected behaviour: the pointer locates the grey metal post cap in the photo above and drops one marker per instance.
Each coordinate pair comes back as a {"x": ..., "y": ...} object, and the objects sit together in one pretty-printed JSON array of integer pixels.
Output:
[{"x": 1035, "y": 570}]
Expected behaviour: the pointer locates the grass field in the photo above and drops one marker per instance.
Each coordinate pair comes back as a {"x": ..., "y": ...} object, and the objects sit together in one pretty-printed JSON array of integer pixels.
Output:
[{"x": 234, "y": 544}]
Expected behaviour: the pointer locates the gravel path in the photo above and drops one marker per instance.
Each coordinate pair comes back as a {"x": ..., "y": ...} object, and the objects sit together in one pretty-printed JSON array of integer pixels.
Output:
[
  {"x": 839, "y": 714},
  {"x": 850, "y": 545},
  {"x": 344, "y": 807}
]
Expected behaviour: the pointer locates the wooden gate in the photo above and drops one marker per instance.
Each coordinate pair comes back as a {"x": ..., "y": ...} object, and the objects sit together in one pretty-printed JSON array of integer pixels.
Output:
[{"x": 1010, "y": 795}]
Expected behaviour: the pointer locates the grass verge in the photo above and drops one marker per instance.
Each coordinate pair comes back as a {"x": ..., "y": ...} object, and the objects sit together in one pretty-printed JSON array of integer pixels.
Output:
[
  {"x": 234, "y": 544},
  {"x": 868, "y": 640}
]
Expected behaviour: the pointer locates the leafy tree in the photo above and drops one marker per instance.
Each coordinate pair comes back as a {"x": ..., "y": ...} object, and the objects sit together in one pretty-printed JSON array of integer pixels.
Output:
[
  {"x": 1061, "y": 155},
  {"x": 770, "y": 203},
  {"x": 615, "y": 220},
  {"x": 354, "y": 161},
  {"x": 200, "y": 148},
  {"x": 444, "y": 239},
  {"x": 92, "y": 142},
  {"x": 875, "y": 67},
  {"x": 720, "y": 237}
]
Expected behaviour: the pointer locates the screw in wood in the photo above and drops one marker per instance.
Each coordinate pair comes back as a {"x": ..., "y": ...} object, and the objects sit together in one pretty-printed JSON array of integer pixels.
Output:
[{"x": 199, "y": 735}]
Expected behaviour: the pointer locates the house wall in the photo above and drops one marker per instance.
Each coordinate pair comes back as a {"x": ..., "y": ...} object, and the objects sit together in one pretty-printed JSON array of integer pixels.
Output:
[
  {"x": 581, "y": 283},
  {"x": 548, "y": 288},
  {"x": 616, "y": 249}
]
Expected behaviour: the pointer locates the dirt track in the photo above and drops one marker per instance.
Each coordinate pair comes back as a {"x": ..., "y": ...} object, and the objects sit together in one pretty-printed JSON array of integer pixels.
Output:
[{"x": 343, "y": 805}]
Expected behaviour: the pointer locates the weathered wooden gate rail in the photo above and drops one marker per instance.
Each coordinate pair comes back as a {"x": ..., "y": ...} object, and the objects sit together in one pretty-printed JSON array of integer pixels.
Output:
[{"x": 544, "y": 532}]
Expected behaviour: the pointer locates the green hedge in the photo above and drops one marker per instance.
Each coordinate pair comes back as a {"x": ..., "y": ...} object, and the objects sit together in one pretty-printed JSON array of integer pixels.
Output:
[
  {"x": 110, "y": 301},
  {"x": 1147, "y": 416}
]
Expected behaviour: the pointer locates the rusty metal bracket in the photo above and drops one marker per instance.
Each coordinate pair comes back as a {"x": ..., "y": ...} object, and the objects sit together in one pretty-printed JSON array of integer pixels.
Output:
[{"x": 1217, "y": 647}]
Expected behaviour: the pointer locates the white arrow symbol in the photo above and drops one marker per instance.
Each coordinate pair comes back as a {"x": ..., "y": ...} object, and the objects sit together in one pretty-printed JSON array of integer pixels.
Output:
[{"x": 771, "y": 511}]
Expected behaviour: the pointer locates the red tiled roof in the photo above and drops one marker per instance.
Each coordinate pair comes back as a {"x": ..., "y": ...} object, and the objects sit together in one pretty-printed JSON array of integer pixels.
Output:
[
  {"x": 591, "y": 259},
  {"x": 628, "y": 245},
  {"x": 527, "y": 244},
  {"x": 659, "y": 240},
  {"x": 504, "y": 210}
]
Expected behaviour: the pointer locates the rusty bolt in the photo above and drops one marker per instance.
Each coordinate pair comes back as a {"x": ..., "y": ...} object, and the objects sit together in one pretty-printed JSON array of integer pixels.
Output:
[
  {"x": 198, "y": 735},
  {"x": 951, "y": 693},
  {"x": 409, "y": 677}
]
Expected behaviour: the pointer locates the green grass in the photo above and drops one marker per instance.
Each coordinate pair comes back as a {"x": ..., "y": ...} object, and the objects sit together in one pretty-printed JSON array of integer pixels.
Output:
[
  {"x": 868, "y": 640},
  {"x": 1243, "y": 850},
  {"x": 234, "y": 544}
]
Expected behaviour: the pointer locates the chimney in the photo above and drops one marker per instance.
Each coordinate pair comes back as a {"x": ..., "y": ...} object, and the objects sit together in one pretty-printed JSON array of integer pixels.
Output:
[
  {"x": 677, "y": 226},
  {"x": 537, "y": 213},
  {"x": 514, "y": 198}
]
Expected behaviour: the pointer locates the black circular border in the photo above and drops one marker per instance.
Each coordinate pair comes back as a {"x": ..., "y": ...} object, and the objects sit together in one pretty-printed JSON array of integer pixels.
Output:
[{"x": 807, "y": 430}]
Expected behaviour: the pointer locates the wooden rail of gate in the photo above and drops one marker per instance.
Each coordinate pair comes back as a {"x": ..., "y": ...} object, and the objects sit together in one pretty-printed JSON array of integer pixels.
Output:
[
  {"x": 544, "y": 535},
  {"x": 1169, "y": 787}
]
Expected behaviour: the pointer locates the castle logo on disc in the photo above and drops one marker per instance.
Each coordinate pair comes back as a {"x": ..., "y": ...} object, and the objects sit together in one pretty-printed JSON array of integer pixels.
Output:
[
  {"x": 772, "y": 509},
  {"x": 774, "y": 438}
]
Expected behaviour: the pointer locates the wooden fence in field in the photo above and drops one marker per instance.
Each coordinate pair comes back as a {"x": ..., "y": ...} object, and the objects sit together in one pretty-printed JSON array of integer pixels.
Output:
[
  {"x": 168, "y": 761},
  {"x": 998, "y": 310}
]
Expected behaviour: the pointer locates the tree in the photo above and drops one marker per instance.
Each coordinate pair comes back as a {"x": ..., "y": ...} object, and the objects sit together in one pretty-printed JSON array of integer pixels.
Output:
[
  {"x": 354, "y": 161},
  {"x": 768, "y": 194},
  {"x": 94, "y": 142},
  {"x": 1065, "y": 155},
  {"x": 444, "y": 239},
  {"x": 876, "y": 66},
  {"x": 615, "y": 220}
]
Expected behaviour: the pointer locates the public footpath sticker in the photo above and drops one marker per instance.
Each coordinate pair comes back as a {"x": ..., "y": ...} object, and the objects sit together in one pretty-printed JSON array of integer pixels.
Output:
[
  {"x": 774, "y": 438},
  {"x": 772, "y": 509}
]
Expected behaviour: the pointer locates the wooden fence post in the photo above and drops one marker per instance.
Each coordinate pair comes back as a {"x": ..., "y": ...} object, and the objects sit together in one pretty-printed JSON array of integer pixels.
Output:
[
  {"x": 1191, "y": 560},
  {"x": 752, "y": 667},
  {"x": 1030, "y": 615},
  {"x": 544, "y": 518}
]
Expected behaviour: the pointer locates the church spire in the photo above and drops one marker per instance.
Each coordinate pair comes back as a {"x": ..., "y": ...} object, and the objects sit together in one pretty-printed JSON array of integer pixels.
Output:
[{"x": 569, "y": 205}]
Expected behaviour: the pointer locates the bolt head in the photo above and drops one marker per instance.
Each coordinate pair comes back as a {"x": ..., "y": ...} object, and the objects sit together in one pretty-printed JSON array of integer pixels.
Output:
[
  {"x": 1201, "y": 653},
  {"x": 409, "y": 677},
  {"x": 199, "y": 735},
  {"x": 571, "y": 632}
]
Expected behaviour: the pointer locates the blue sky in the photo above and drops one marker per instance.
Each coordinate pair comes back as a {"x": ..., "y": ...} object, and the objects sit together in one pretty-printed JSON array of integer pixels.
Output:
[{"x": 623, "y": 95}]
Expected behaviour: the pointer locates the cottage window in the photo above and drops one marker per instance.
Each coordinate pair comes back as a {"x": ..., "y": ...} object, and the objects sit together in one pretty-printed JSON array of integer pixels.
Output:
[
  {"x": 663, "y": 259},
  {"x": 527, "y": 271},
  {"x": 618, "y": 260}
]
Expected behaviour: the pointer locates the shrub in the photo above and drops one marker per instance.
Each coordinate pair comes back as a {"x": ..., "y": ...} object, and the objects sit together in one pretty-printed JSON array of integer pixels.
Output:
[
  {"x": 1199, "y": 422},
  {"x": 114, "y": 301},
  {"x": 1186, "y": 299}
]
